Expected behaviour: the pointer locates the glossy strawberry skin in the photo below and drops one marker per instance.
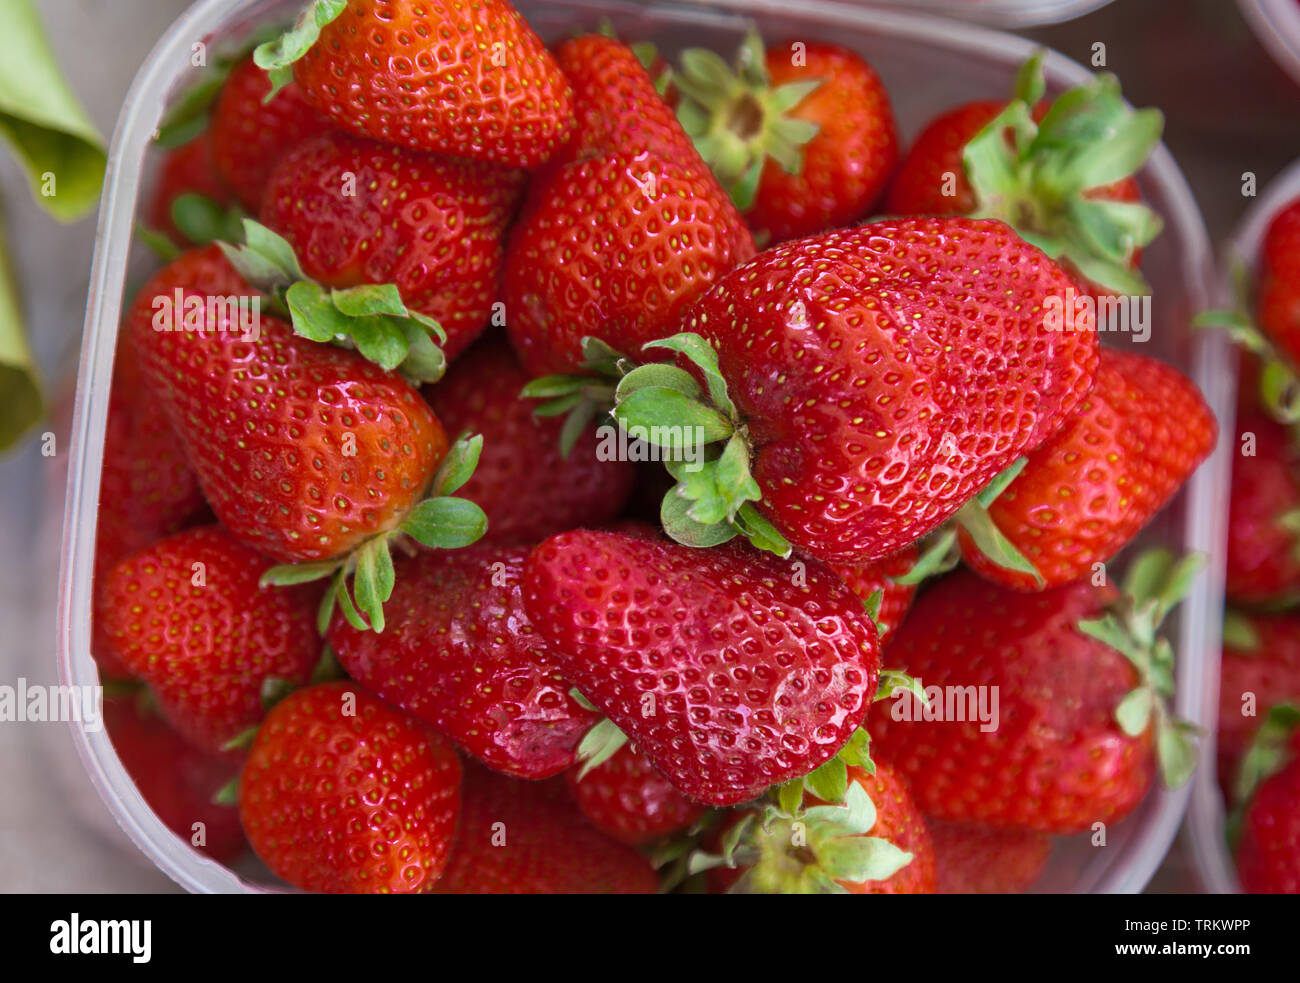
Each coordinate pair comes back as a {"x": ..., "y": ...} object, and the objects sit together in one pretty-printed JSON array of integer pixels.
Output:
[
  {"x": 342, "y": 794},
  {"x": 895, "y": 598},
  {"x": 459, "y": 654},
  {"x": 725, "y": 673},
  {"x": 865, "y": 435},
  {"x": 1054, "y": 760},
  {"x": 1263, "y": 556},
  {"x": 471, "y": 80},
  {"x": 480, "y": 394},
  {"x": 846, "y": 164},
  {"x": 206, "y": 638},
  {"x": 1268, "y": 854},
  {"x": 627, "y": 798},
  {"x": 975, "y": 859},
  {"x": 250, "y": 135},
  {"x": 187, "y": 169},
  {"x": 548, "y": 847},
  {"x": 176, "y": 778},
  {"x": 1279, "y": 281},
  {"x": 432, "y": 225},
  {"x": 1269, "y": 672},
  {"x": 1085, "y": 493},
  {"x": 265, "y": 423}
]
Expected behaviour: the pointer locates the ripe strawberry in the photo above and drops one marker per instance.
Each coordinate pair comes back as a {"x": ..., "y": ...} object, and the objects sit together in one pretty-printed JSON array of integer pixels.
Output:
[
  {"x": 627, "y": 798},
  {"x": 867, "y": 579},
  {"x": 186, "y": 170},
  {"x": 480, "y": 394},
  {"x": 729, "y": 669},
  {"x": 1263, "y": 562},
  {"x": 1070, "y": 740},
  {"x": 460, "y": 654},
  {"x": 188, "y": 617},
  {"x": 1086, "y": 492},
  {"x": 249, "y": 133},
  {"x": 527, "y": 838},
  {"x": 1267, "y": 828},
  {"x": 837, "y": 855},
  {"x": 343, "y": 794},
  {"x": 305, "y": 451},
  {"x": 1259, "y": 670},
  {"x": 975, "y": 859},
  {"x": 1279, "y": 281},
  {"x": 466, "y": 79},
  {"x": 360, "y": 212},
  {"x": 177, "y": 780},
  {"x": 802, "y": 137}
]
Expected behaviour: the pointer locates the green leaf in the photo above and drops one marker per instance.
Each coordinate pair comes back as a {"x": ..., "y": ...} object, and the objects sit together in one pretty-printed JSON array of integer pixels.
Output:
[
  {"x": 575, "y": 425},
  {"x": 702, "y": 354},
  {"x": 312, "y": 314},
  {"x": 1030, "y": 84},
  {"x": 159, "y": 243},
  {"x": 1122, "y": 153},
  {"x": 228, "y": 794},
  {"x": 990, "y": 492},
  {"x": 667, "y": 418},
  {"x": 789, "y": 796},
  {"x": 657, "y": 375},
  {"x": 344, "y": 597},
  {"x": 891, "y": 682},
  {"x": 369, "y": 300},
  {"x": 446, "y": 523},
  {"x": 379, "y": 339},
  {"x": 581, "y": 700},
  {"x": 459, "y": 464},
  {"x": 939, "y": 555},
  {"x": 598, "y": 745},
  {"x": 1133, "y": 713},
  {"x": 288, "y": 574},
  {"x": 369, "y": 584},
  {"x": 862, "y": 858},
  {"x": 1147, "y": 574},
  {"x": 325, "y": 610},
  {"x": 674, "y": 514},
  {"x": 425, "y": 361},
  {"x": 993, "y": 543},
  {"x": 1177, "y": 754},
  {"x": 243, "y": 740},
  {"x": 275, "y": 689},
  {"x": 992, "y": 164},
  {"x": 760, "y": 532},
  {"x": 274, "y": 247},
  {"x": 277, "y": 56},
  {"x": 830, "y": 782},
  {"x": 736, "y": 485},
  {"x": 1108, "y": 631},
  {"x": 871, "y": 605},
  {"x": 327, "y": 667},
  {"x": 202, "y": 220},
  {"x": 857, "y": 752},
  {"x": 552, "y": 386},
  {"x": 1239, "y": 633},
  {"x": 1268, "y": 750},
  {"x": 188, "y": 117}
]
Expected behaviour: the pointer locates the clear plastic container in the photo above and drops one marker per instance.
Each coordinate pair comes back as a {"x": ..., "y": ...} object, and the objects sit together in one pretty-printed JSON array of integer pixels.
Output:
[
  {"x": 1277, "y": 25},
  {"x": 1205, "y": 815},
  {"x": 1001, "y": 13},
  {"x": 929, "y": 64}
]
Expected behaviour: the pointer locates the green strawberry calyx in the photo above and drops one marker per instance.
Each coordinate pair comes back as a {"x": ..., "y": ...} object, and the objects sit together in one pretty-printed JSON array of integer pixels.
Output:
[
  {"x": 601, "y": 742},
  {"x": 1036, "y": 176},
  {"x": 738, "y": 120},
  {"x": 362, "y": 581},
  {"x": 581, "y": 397},
  {"x": 277, "y": 57},
  {"x": 1156, "y": 582},
  {"x": 372, "y": 318},
  {"x": 1269, "y": 752}
]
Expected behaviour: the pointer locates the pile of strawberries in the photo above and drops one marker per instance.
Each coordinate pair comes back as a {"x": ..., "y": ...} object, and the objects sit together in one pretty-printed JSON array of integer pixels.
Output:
[{"x": 539, "y": 473}]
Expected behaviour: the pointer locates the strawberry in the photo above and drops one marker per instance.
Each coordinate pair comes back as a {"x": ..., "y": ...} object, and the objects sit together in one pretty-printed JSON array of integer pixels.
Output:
[
  {"x": 187, "y": 615},
  {"x": 1263, "y": 563},
  {"x": 249, "y": 133},
  {"x": 1086, "y": 492},
  {"x": 1260, "y": 669},
  {"x": 730, "y": 670},
  {"x": 186, "y": 170},
  {"x": 975, "y": 859},
  {"x": 1061, "y": 174},
  {"x": 471, "y": 80},
  {"x": 875, "y": 843},
  {"x": 360, "y": 212},
  {"x": 869, "y": 579},
  {"x": 625, "y": 797},
  {"x": 852, "y": 465},
  {"x": 343, "y": 794},
  {"x": 177, "y": 780},
  {"x": 306, "y": 452},
  {"x": 1267, "y": 828},
  {"x": 616, "y": 242},
  {"x": 460, "y": 654},
  {"x": 802, "y": 137},
  {"x": 527, "y": 838},
  {"x": 1279, "y": 281},
  {"x": 1080, "y": 690}
]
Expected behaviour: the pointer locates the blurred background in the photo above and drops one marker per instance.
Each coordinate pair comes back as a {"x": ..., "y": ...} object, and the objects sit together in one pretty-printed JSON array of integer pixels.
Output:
[{"x": 1229, "y": 109}]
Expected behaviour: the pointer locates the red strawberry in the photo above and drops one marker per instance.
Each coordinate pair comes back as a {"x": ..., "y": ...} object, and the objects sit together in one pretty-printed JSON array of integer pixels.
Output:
[
  {"x": 466, "y": 79},
  {"x": 1263, "y": 514},
  {"x": 187, "y": 616},
  {"x": 771, "y": 860},
  {"x": 802, "y": 137},
  {"x": 177, "y": 780},
  {"x": 978, "y": 860},
  {"x": 459, "y": 654},
  {"x": 1069, "y": 741},
  {"x": 480, "y": 394},
  {"x": 526, "y": 838},
  {"x": 249, "y": 134},
  {"x": 627, "y": 798},
  {"x": 730, "y": 670},
  {"x": 1279, "y": 281},
  {"x": 1260, "y": 669},
  {"x": 343, "y": 794},
  {"x": 895, "y": 598},
  {"x": 920, "y": 187},
  {"x": 185, "y": 170},
  {"x": 361, "y": 212},
  {"x": 1267, "y": 828},
  {"x": 1085, "y": 493}
]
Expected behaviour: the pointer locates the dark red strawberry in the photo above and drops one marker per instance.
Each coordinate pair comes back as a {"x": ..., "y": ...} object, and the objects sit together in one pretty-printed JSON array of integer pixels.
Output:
[
  {"x": 459, "y": 653},
  {"x": 343, "y": 794},
  {"x": 627, "y": 798},
  {"x": 527, "y": 838},
  {"x": 177, "y": 779},
  {"x": 1263, "y": 513},
  {"x": 731, "y": 670},
  {"x": 249, "y": 133},
  {"x": 586, "y": 487},
  {"x": 185, "y": 170},
  {"x": 187, "y": 616},
  {"x": 979, "y": 860},
  {"x": 802, "y": 137},
  {"x": 867, "y": 579},
  {"x": 1085, "y": 493},
  {"x": 466, "y": 79},
  {"x": 1279, "y": 281},
  {"x": 360, "y": 212},
  {"x": 1260, "y": 669}
]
